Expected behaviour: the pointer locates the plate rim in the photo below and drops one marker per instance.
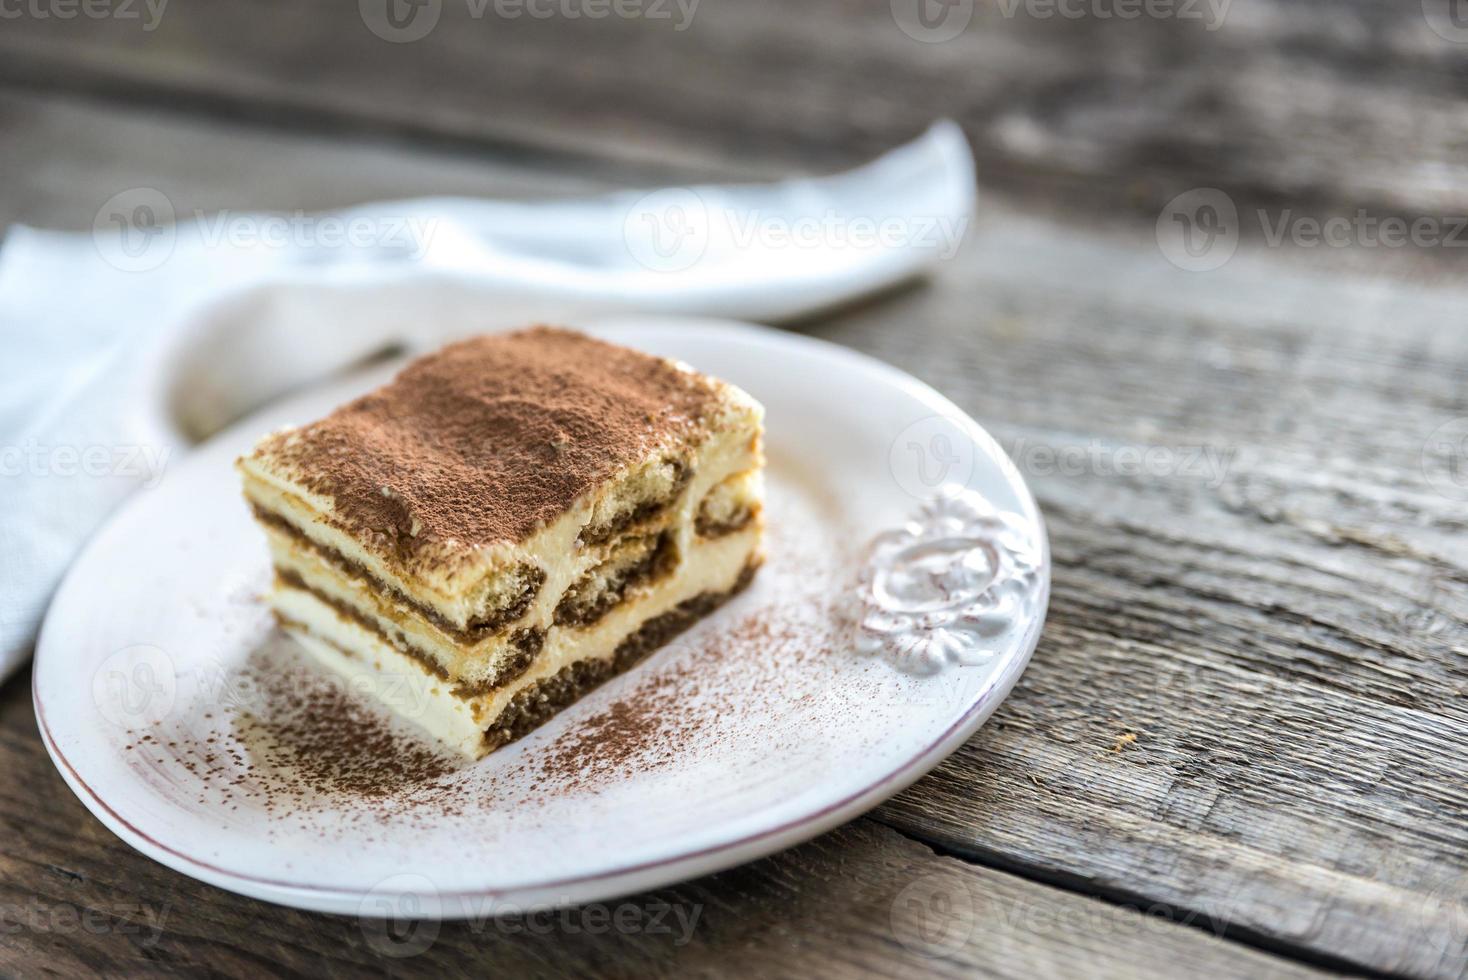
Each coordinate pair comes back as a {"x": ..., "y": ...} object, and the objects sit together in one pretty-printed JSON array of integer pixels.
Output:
[{"x": 616, "y": 882}]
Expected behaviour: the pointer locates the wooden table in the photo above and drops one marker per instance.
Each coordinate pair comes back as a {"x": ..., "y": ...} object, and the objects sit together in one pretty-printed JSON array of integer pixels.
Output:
[{"x": 1242, "y": 746}]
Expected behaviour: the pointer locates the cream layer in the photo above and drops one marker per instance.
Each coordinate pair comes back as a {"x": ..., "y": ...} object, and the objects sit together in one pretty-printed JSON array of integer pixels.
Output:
[
  {"x": 477, "y": 662},
  {"x": 407, "y": 688}
]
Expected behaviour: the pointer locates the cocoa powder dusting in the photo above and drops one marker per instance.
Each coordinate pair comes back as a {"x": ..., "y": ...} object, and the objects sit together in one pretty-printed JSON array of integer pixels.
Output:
[
  {"x": 283, "y": 738},
  {"x": 650, "y": 726},
  {"x": 316, "y": 739},
  {"x": 490, "y": 438}
]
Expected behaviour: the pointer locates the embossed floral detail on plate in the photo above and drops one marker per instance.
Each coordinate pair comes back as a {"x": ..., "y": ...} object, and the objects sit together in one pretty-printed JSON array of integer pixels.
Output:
[{"x": 945, "y": 587}]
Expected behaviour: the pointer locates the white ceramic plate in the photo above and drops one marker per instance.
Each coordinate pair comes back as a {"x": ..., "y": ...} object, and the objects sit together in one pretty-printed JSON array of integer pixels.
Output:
[{"x": 843, "y": 674}]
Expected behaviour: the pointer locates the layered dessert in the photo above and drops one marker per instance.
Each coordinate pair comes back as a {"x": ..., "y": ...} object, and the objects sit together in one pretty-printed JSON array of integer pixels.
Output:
[{"x": 508, "y": 523}]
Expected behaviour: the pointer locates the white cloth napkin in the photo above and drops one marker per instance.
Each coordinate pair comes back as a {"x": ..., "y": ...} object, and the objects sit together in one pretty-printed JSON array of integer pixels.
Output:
[{"x": 123, "y": 347}]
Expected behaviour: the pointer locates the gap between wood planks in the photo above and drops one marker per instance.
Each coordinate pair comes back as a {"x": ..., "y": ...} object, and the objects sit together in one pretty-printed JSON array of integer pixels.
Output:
[
  {"x": 1194, "y": 918},
  {"x": 1291, "y": 102},
  {"x": 305, "y": 118}
]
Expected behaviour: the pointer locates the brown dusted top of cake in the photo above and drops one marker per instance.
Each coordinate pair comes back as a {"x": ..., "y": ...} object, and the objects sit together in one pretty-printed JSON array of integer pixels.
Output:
[{"x": 491, "y": 438}]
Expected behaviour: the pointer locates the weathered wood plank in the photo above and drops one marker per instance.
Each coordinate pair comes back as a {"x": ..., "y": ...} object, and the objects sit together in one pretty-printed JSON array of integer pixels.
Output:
[
  {"x": 1280, "y": 624},
  {"x": 63, "y": 159},
  {"x": 1356, "y": 103},
  {"x": 1286, "y": 639},
  {"x": 860, "y": 902}
]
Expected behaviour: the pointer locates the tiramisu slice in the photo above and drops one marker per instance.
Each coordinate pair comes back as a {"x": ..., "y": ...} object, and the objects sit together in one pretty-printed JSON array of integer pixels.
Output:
[{"x": 508, "y": 523}]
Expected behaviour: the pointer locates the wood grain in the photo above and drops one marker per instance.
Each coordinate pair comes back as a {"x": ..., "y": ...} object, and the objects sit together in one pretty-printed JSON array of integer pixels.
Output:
[
  {"x": 1350, "y": 103},
  {"x": 65, "y": 157},
  {"x": 1283, "y": 635},
  {"x": 1283, "y": 631}
]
